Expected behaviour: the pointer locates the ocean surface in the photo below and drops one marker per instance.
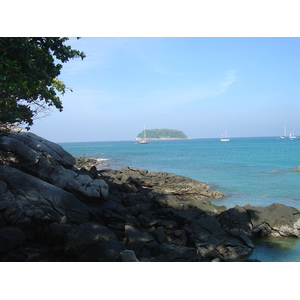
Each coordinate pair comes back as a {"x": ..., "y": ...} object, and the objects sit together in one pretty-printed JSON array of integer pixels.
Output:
[{"x": 254, "y": 171}]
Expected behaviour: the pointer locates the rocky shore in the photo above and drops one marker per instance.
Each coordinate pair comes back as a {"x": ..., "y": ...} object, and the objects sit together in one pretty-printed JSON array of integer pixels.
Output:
[{"x": 54, "y": 207}]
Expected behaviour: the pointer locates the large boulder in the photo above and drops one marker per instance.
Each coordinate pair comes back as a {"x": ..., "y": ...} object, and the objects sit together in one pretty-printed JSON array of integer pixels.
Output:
[
  {"x": 212, "y": 241},
  {"x": 28, "y": 148},
  {"x": 51, "y": 163},
  {"x": 25, "y": 199},
  {"x": 275, "y": 220}
]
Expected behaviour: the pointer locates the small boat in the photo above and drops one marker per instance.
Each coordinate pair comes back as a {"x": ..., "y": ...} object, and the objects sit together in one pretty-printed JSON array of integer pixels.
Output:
[
  {"x": 292, "y": 136},
  {"x": 225, "y": 137},
  {"x": 144, "y": 140},
  {"x": 284, "y": 137}
]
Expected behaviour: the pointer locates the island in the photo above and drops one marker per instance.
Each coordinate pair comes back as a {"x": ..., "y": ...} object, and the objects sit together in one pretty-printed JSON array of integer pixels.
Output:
[{"x": 162, "y": 134}]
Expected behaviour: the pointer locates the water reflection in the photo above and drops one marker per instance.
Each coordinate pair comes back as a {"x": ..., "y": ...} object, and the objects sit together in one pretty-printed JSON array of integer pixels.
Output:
[{"x": 276, "y": 249}]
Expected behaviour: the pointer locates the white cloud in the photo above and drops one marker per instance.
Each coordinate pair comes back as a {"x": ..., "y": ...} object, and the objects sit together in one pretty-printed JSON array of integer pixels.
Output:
[
  {"x": 175, "y": 97},
  {"x": 229, "y": 79}
]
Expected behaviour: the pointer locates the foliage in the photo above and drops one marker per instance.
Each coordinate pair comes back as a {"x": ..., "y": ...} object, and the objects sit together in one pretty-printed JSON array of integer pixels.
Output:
[
  {"x": 163, "y": 133},
  {"x": 29, "y": 67}
]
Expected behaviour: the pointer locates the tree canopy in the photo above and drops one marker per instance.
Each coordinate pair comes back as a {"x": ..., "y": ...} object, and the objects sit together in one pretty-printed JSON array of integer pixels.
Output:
[{"x": 29, "y": 67}]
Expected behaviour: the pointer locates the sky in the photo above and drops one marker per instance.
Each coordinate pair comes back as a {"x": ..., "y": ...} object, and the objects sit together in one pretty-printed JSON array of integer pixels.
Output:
[
  {"x": 234, "y": 73},
  {"x": 200, "y": 85}
]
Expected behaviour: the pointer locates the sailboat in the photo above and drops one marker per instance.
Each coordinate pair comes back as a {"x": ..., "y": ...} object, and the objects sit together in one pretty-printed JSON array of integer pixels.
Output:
[
  {"x": 225, "y": 137},
  {"x": 284, "y": 137},
  {"x": 144, "y": 140},
  {"x": 292, "y": 136}
]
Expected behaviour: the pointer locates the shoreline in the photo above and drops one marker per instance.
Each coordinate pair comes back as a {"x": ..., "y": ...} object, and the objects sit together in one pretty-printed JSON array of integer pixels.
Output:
[{"x": 63, "y": 213}]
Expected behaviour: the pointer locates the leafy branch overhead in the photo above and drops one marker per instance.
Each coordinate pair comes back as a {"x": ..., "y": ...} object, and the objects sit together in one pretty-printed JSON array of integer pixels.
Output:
[{"x": 29, "y": 67}]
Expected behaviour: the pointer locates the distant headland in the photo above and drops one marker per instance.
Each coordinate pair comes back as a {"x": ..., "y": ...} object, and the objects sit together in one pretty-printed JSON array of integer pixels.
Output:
[{"x": 162, "y": 134}]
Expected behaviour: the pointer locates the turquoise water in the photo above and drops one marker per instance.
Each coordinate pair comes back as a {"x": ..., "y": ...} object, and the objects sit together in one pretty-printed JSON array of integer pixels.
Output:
[{"x": 248, "y": 170}]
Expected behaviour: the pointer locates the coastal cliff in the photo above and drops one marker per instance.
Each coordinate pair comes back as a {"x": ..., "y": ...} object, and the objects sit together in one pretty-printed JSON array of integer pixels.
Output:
[{"x": 54, "y": 207}]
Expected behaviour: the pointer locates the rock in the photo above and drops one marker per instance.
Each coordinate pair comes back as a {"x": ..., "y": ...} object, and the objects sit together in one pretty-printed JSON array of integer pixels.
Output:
[
  {"x": 34, "y": 252},
  {"x": 27, "y": 148},
  {"x": 246, "y": 240},
  {"x": 10, "y": 238},
  {"x": 275, "y": 220},
  {"x": 216, "y": 260},
  {"x": 138, "y": 241},
  {"x": 85, "y": 162},
  {"x": 296, "y": 169},
  {"x": 230, "y": 249},
  {"x": 29, "y": 199},
  {"x": 49, "y": 162},
  {"x": 160, "y": 182},
  {"x": 160, "y": 235},
  {"x": 52, "y": 211},
  {"x": 132, "y": 235},
  {"x": 83, "y": 186},
  {"x": 176, "y": 253},
  {"x": 80, "y": 238},
  {"x": 213, "y": 242},
  {"x": 128, "y": 256},
  {"x": 107, "y": 251},
  {"x": 56, "y": 233},
  {"x": 179, "y": 203},
  {"x": 236, "y": 221}
]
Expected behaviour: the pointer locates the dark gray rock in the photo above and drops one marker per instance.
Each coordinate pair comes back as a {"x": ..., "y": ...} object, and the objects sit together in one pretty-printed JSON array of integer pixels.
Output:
[
  {"x": 132, "y": 234},
  {"x": 80, "y": 238},
  {"x": 229, "y": 249},
  {"x": 27, "y": 198},
  {"x": 214, "y": 242},
  {"x": 49, "y": 162},
  {"x": 128, "y": 256},
  {"x": 176, "y": 253},
  {"x": 10, "y": 238},
  {"x": 274, "y": 220},
  {"x": 146, "y": 216},
  {"x": 29, "y": 148},
  {"x": 85, "y": 162},
  {"x": 34, "y": 252},
  {"x": 108, "y": 251},
  {"x": 56, "y": 233},
  {"x": 161, "y": 183}
]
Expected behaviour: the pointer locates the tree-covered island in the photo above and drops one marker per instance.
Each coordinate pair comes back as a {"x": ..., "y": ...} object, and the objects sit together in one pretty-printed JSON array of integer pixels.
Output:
[{"x": 162, "y": 134}]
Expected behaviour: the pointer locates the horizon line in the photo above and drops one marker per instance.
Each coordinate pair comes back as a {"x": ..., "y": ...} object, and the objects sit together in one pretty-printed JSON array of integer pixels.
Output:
[{"x": 199, "y": 138}]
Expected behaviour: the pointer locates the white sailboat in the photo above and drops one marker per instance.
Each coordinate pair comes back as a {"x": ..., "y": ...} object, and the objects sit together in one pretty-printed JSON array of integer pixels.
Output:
[
  {"x": 284, "y": 137},
  {"x": 225, "y": 137},
  {"x": 144, "y": 140},
  {"x": 292, "y": 136}
]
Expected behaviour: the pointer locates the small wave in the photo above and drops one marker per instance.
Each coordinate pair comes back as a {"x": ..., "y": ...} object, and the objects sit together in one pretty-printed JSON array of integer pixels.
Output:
[{"x": 102, "y": 159}]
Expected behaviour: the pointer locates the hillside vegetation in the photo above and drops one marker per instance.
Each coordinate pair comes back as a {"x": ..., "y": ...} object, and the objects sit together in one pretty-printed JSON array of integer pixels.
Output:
[{"x": 163, "y": 134}]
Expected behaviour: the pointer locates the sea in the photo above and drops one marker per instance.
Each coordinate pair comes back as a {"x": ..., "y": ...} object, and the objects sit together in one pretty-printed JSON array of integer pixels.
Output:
[{"x": 256, "y": 171}]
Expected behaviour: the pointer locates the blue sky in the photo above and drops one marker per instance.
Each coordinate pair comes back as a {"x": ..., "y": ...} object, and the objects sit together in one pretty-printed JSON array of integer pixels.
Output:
[{"x": 200, "y": 85}]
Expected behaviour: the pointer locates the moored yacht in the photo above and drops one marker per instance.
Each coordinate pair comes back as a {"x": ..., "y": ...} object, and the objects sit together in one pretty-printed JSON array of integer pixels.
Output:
[
  {"x": 144, "y": 140},
  {"x": 225, "y": 137}
]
